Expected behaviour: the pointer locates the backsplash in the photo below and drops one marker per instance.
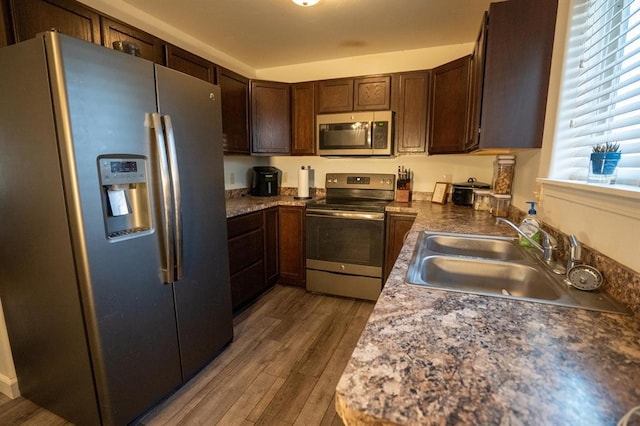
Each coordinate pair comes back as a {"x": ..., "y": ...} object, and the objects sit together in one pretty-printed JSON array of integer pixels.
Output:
[{"x": 619, "y": 281}]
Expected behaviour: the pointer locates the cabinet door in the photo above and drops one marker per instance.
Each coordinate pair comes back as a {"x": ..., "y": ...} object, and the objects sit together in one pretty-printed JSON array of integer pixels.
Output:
[
  {"x": 246, "y": 257},
  {"x": 449, "y": 107},
  {"x": 398, "y": 225},
  {"x": 234, "y": 91},
  {"x": 270, "y": 118},
  {"x": 516, "y": 75},
  {"x": 6, "y": 33},
  {"x": 334, "y": 95},
  {"x": 372, "y": 93},
  {"x": 411, "y": 103},
  {"x": 31, "y": 17},
  {"x": 150, "y": 47},
  {"x": 271, "y": 264},
  {"x": 303, "y": 119},
  {"x": 188, "y": 63},
  {"x": 292, "y": 245},
  {"x": 475, "y": 87}
]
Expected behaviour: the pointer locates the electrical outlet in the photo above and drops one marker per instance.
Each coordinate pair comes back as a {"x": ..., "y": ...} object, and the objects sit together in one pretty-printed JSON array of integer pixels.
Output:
[
  {"x": 232, "y": 178},
  {"x": 284, "y": 177}
]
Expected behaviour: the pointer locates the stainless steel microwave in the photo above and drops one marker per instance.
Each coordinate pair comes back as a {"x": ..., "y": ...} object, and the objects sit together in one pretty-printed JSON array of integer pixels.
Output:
[{"x": 355, "y": 133}]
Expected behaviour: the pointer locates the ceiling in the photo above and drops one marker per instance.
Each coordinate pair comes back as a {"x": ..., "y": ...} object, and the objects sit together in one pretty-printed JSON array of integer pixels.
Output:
[{"x": 274, "y": 33}]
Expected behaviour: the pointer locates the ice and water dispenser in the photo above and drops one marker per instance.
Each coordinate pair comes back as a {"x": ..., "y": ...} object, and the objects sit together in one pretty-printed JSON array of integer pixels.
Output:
[{"x": 125, "y": 195}]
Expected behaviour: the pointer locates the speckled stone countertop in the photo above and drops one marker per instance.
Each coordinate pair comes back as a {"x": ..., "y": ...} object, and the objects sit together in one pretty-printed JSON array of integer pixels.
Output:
[
  {"x": 437, "y": 357},
  {"x": 247, "y": 204}
]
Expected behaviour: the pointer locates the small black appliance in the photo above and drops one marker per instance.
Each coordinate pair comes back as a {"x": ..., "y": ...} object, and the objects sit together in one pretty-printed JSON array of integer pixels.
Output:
[
  {"x": 264, "y": 182},
  {"x": 463, "y": 192}
]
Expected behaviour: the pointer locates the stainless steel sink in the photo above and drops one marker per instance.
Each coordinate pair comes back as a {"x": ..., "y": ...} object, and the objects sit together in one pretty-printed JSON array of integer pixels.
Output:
[
  {"x": 486, "y": 277},
  {"x": 496, "y": 266},
  {"x": 476, "y": 246}
]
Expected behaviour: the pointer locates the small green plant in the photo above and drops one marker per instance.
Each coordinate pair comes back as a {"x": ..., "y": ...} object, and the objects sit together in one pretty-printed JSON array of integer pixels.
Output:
[{"x": 606, "y": 147}]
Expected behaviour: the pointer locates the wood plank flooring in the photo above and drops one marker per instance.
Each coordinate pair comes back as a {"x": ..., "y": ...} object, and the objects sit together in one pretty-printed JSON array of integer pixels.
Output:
[{"x": 288, "y": 353}]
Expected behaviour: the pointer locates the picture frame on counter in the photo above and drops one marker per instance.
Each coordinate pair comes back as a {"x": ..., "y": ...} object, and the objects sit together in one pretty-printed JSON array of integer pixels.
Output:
[{"x": 440, "y": 193}]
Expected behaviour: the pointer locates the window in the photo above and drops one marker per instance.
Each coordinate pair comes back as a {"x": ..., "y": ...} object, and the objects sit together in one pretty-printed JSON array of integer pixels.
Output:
[{"x": 600, "y": 100}]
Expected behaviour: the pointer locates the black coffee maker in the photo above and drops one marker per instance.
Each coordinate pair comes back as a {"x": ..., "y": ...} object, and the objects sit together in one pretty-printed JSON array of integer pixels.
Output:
[{"x": 265, "y": 181}]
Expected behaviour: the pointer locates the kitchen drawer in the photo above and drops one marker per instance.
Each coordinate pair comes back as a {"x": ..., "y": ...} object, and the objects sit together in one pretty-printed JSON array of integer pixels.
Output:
[
  {"x": 247, "y": 284},
  {"x": 246, "y": 249},
  {"x": 242, "y": 224}
]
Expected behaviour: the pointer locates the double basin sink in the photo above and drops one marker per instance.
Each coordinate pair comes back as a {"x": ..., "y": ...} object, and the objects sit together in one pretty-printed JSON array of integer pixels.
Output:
[{"x": 499, "y": 267}]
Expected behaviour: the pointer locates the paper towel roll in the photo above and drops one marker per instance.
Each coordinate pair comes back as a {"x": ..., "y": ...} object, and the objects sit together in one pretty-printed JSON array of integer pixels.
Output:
[{"x": 303, "y": 183}]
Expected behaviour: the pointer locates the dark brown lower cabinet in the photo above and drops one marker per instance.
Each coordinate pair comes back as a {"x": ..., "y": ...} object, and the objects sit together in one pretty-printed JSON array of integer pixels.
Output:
[
  {"x": 253, "y": 254},
  {"x": 398, "y": 225},
  {"x": 246, "y": 257},
  {"x": 292, "y": 245},
  {"x": 271, "y": 263}
]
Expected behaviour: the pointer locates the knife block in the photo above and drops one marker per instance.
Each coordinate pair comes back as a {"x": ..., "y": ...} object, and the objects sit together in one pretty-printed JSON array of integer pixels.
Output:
[{"x": 403, "y": 195}]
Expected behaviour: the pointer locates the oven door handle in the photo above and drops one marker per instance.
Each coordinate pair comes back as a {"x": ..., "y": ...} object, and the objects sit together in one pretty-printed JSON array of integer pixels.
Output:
[{"x": 346, "y": 215}]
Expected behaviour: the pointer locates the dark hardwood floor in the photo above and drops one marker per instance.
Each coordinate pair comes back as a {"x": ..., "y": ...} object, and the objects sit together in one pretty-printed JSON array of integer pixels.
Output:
[{"x": 288, "y": 353}]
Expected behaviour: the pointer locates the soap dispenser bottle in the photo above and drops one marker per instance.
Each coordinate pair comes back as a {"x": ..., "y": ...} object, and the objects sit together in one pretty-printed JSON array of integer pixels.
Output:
[{"x": 530, "y": 226}]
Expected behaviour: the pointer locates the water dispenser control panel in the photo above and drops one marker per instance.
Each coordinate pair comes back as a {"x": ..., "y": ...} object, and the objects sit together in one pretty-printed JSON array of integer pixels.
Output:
[
  {"x": 125, "y": 196},
  {"x": 121, "y": 171}
]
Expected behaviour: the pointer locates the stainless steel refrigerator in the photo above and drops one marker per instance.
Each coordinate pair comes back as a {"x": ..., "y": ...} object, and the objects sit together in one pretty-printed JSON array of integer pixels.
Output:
[{"x": 114, "y": 271}]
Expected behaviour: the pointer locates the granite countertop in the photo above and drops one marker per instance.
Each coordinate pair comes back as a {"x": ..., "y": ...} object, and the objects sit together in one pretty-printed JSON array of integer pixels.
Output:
[
  {"x": 438, "y": 357},
  {"x": 249, "y": 203}
]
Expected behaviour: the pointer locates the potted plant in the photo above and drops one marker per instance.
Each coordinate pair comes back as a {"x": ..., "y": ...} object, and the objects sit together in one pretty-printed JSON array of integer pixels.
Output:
[{"x": 604, "y": 158}]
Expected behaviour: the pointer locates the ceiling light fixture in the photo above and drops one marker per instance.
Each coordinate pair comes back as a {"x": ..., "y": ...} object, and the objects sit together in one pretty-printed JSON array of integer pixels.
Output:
[{"x": 305, "y": 3}]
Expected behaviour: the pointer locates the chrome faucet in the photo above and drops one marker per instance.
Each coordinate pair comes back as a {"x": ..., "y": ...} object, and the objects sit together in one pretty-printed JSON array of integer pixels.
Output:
[
  {"x": 548, "y": 247},
  {"x": 575, "y": 252}
]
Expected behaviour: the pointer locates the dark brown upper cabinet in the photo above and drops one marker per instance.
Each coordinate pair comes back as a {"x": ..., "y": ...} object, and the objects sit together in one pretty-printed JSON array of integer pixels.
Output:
[
  {"x": 449, "y": 107},
  {"x": 334, "y": 95},
  {"x": 372, "y": 93},
  {"x": 270, "y": 118},
  {"x": 30, "y": 17},
  {"x": 234, "y": 93},
  {"x": 188, "y": 63},
  {"x": 516, "y": 73},
  {"x": 151, "y": 48},
  {"x": 411, "y": 104},
  {"x": 475, "y": 87},
  {"x": 353, "y": 94},
  {"x": 303, "y": 119}
]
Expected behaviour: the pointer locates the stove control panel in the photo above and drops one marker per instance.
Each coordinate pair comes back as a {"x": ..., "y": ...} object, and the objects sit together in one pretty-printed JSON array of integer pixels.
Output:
[{"x": 360, "y": 181}]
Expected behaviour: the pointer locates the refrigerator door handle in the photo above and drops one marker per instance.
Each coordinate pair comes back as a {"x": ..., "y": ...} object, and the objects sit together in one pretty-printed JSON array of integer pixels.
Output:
[
  {"x": 165, "y": 194},
  {"x": 177, "y": 196}
]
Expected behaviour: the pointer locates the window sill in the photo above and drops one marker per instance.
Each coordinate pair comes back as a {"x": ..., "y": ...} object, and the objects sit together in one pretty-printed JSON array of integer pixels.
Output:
[{"x": 619, "y": 199}]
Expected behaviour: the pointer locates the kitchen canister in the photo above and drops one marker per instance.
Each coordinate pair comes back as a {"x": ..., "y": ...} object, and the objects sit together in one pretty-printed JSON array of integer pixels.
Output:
[
  {"x": 503, "y": 170},
  {"x": 500, "y": 205}
]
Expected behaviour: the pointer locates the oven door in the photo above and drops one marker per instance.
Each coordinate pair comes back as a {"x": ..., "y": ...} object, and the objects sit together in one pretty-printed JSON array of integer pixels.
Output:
[{"x": 345, "y": 252}]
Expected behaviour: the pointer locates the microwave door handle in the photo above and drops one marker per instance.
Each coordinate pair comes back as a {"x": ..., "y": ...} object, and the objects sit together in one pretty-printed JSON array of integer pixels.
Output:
[
  {"x": 177, "y": 197},
  {"x": 165, "y": 194},
  {"x": 370, "y": 136}
]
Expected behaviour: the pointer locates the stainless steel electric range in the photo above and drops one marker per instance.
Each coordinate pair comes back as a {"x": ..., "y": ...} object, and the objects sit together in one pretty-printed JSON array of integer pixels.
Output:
[{"x": 345, "y": 235}]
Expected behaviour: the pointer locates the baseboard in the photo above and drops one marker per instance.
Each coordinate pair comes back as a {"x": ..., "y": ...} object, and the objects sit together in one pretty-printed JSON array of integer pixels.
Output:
[{"x": 9, "y": 386}]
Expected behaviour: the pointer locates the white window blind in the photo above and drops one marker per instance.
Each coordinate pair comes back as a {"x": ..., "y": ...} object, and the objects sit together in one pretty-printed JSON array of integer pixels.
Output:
[{"x": 600, "y": 99}]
